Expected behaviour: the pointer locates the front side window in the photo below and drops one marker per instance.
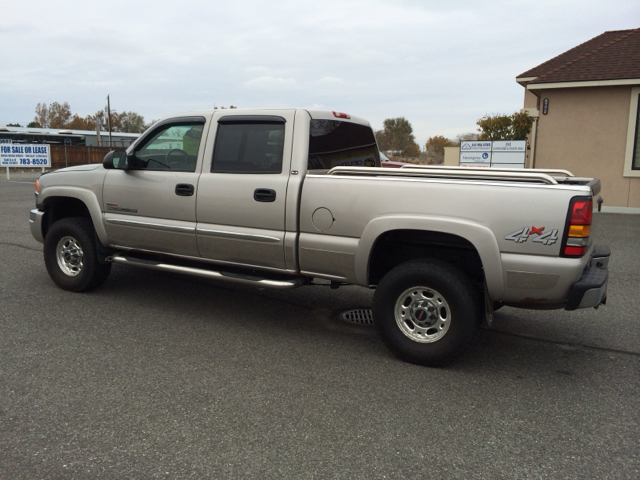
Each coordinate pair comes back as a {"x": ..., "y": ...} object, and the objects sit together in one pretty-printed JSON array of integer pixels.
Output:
[
  {"x": 334, "y": 143},
  {"x": 174, "y": 147},
  {"x": 635, "y": 165},
  {"x": 248, "y": 148}
]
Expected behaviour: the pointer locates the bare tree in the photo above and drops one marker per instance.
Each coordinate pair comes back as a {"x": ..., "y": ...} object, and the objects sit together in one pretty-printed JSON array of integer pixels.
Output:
[
  {"x": 55, "y": 115},
  {"x": 42, "y": 113}
]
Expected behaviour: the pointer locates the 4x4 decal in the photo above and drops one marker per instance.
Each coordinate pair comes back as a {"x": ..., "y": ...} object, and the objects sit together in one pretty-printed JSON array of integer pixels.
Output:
[{"x": 522, "y": 235}]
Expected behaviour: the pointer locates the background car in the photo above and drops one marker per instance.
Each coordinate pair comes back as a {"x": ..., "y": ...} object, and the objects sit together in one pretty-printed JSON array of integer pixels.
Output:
[{"x": 386, "y": 163}]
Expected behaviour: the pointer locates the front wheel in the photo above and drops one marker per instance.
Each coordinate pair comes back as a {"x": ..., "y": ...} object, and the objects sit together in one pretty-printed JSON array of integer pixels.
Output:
[
  {"x": 426, "y": 311},
  {"x": 71, "y": 257}
]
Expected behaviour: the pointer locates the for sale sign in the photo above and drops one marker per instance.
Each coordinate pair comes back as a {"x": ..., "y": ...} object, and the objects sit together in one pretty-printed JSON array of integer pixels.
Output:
[{"x": 24, "y": 156}]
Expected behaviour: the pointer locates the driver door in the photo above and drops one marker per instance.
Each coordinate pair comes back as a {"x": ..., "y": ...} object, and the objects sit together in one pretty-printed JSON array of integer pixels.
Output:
[{"x": 152, "y": 205}]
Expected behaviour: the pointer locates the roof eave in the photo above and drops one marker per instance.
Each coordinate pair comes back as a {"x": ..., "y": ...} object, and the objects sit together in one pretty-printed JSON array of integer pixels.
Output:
[
  {"x": 580, "y": 84},
  {"x": 525, "y": 80}
]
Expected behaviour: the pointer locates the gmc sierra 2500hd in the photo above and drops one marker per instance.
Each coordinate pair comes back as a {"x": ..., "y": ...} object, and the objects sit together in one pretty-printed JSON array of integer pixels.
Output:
[{"x": 275, "y": 198}]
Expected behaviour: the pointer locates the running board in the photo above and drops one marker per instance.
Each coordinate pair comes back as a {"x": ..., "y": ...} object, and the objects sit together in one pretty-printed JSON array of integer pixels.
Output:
[{"x": 201, "y": 272}]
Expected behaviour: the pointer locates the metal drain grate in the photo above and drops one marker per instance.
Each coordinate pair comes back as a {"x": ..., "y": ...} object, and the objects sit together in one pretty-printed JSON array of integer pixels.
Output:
[{"x": 359, "y": 316}]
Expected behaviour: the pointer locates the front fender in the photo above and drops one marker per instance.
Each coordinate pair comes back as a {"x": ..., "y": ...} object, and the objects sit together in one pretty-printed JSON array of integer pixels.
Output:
[
  {"x": 481, "y": 237},
  {"x": 87, "y": 197}
]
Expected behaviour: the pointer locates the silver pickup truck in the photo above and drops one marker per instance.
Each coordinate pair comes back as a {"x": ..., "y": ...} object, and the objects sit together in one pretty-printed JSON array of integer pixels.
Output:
[{"x": 277, "y": 198}]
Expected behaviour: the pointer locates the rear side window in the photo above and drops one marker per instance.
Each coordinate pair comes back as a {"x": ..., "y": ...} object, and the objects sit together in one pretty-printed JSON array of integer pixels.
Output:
[
  {"x": 248, "y": 148},
  {"x": 334, "y": 143}
]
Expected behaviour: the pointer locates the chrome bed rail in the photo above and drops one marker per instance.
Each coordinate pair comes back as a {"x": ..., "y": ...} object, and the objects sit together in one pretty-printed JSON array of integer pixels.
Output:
[
  {"x": 549, "y": 171},
  {"x": 448, "y": 173}
]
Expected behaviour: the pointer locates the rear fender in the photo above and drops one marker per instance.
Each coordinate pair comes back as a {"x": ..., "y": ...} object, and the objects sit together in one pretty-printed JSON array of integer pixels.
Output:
[{"x": 481, "y": 237}]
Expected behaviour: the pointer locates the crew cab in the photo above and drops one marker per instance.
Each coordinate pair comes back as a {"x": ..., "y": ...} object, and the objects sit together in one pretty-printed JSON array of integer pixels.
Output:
[{"x": 277, "y": 198}]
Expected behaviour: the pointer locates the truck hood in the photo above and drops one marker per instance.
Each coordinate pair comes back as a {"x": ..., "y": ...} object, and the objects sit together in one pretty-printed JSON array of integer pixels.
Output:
[
  {"x": 79, "y": 168},
  {"x": 85, "y": 176}
]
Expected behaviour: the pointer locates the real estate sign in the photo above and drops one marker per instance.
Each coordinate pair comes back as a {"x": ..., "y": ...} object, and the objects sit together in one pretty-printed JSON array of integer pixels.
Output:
[{"x": 475, "y": 146}]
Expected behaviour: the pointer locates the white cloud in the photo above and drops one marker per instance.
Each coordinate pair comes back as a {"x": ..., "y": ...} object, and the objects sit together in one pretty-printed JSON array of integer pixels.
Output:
[
  {"x": 331, "y": 80},
  {"x": 268, "y": 82},
  {"x": 256, "y": 70}
]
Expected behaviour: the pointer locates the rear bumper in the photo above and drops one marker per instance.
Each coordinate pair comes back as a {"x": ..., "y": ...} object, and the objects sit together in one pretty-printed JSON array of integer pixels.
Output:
[
  {"x": 591, "y": 289},
  {"x": 35, "y": 223}
]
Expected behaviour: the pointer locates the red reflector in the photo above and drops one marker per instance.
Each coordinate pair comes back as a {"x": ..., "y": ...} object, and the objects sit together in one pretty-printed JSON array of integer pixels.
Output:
[
  {"x": 582, "y": 212},
  {"x": 578, "y": 251},
  {"x": 341, "y": 115}
]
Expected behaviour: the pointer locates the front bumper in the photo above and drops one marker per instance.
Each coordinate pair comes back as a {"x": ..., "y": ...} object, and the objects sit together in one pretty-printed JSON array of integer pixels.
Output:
[
  {"x": 591, "y": 289},
  {"x": 35, "y": 223}
]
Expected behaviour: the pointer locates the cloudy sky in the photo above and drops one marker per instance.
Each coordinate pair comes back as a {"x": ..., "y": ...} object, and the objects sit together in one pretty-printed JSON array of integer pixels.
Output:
[{"x": 440, "y": 64}]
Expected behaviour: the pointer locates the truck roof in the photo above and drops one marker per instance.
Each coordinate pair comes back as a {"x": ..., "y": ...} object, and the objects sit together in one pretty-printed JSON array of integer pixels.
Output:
[{"x": 314, "y": 114}]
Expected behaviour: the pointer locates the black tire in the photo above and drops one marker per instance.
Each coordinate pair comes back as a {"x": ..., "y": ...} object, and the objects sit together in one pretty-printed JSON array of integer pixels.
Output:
[
  {"x": 438, "y": 316},
  {"x": 70, "y": 255}
]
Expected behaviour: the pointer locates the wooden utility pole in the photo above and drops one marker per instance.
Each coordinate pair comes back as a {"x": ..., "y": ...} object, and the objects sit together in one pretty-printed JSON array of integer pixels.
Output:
[{"x": 109, "y": 118}]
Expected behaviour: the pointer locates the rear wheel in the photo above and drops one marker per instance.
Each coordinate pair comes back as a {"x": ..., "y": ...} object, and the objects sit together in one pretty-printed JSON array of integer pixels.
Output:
[
  {"x": 426, "y": 311},
  {"x": 70, "y": 255}
]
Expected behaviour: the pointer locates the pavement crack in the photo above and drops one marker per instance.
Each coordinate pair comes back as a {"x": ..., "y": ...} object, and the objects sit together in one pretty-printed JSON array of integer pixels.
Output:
[
  {"x": 557, "y": 342},
  {"x": 21, "y": 246}
]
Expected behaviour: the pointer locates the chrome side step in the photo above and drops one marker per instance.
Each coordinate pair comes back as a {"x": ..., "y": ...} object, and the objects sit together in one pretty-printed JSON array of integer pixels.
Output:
[{"x": 204, "y": 273}]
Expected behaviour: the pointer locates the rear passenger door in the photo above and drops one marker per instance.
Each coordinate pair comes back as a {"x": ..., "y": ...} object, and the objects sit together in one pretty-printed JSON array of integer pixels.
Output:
[{"x": 242, "y": 190}]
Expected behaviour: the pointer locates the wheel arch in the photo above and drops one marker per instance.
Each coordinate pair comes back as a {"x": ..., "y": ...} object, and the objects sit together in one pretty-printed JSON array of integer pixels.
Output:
[
  {"x": 404, "y": 238},
  {"x": 64, "y": 202}
]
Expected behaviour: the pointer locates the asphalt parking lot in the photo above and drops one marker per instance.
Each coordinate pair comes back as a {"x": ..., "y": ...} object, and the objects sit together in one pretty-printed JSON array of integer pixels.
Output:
[{"x": 164, "y": 376}]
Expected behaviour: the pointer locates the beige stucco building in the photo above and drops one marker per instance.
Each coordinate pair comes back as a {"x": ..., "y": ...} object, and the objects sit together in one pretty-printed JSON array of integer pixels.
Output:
[{"x": 585, "y": 104}]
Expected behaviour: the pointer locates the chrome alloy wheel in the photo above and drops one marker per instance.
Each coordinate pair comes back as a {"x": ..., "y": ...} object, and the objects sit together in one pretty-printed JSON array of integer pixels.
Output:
[
  {"x": 70, "y": 256},
  {"x": 422, "y": 314}
]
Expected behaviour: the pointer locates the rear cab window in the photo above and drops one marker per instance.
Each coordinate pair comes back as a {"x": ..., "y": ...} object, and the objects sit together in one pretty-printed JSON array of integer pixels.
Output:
[{"x": 335, "y": 143}]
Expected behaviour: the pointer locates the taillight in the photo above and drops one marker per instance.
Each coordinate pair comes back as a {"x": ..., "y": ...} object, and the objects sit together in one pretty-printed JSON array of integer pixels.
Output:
[
  {"x": 576, "y": 238},
  {"x": 581, "y": 212},
  {"x": 341, "y": 115}
]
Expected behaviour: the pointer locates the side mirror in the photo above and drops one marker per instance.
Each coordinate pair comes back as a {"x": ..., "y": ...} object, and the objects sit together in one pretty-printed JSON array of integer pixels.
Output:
[{"x": 116, "y": 159}]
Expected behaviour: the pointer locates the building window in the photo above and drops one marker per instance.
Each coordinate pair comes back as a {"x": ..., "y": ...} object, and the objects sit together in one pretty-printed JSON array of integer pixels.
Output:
[
  {"x": 632, "y": 149},
  {"x": 636, "y": 140}
]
